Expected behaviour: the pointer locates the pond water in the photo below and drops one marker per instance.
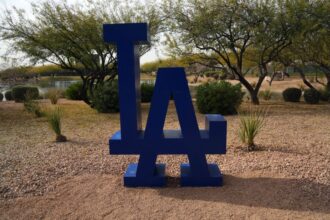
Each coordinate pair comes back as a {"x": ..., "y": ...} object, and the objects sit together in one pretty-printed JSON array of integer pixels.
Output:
[{"x": 45, "y": 85}]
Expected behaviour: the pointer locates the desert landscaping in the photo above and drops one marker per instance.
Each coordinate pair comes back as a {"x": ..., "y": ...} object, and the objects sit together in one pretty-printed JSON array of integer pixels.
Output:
[
  {"x": 288, "y": 176},
  {"x": 172, "y": 109}
]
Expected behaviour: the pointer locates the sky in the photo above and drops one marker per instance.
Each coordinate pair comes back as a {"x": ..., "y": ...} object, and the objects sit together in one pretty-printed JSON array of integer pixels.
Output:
[{"x": 152, "y": 55}]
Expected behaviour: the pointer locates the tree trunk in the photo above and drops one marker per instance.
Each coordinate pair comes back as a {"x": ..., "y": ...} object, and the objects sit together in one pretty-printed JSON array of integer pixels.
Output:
[
  {"x": 83, "y": 92},
  {"x": 254, "y": 97},
  {"x": 327, "y": 75},
  {"x": 326, "y": 70},
  {"x": 253, "y": 93},
  {"x": 306, "y": 82}
]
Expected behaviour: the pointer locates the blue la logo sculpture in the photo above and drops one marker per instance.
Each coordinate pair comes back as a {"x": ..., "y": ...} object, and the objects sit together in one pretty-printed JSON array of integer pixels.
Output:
[{"x": 152, "y": 141}]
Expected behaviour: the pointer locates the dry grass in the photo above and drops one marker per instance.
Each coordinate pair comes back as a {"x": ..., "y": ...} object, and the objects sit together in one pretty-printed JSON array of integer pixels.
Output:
[{"x": 288, "y": 176}]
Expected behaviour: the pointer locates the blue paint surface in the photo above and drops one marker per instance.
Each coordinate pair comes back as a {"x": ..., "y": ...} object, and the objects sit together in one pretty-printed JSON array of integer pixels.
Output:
[{"x": 154, "y": 140}]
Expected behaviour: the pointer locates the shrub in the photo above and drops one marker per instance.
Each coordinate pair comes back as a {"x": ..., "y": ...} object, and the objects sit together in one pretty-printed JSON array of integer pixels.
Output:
[
  {"x": 146, "y": 92},
  {"x": 105, "y": 98},
  {"x": 73, "y": 92},
  {"x": 9, "y": 95},
  {"x": 1, "y": 97},
  {"x": 251, "y": 123},
  {"x": 20, "y": 92},
  {"x": 219, "y": 98},
  {"x": 312, "y": 96},
  {"x": 266, "y": 94},
  {"x": 54, "y": 95},
  {"x": 325, "y": 95},
  {"x": 54, "y": 120},
  {"x": 291, "y": 95}
]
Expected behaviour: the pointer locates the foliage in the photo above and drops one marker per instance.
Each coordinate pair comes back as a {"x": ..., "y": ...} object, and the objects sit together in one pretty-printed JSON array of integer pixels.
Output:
[
  {"x": 219, "y": 98},
  {"x": 291, "y": 95},
  {"x": 9, "y": 95},
  {"x": 169, "y": 62},
  {"x": 325, "y": 94},
  {"x": 266, "y": 94},
  {"x": 13, "y": 72},
  {"x": 251, "y": 123},
  {"x": 73, "y": 92},
  {"x": 20, "y": 93},
  {"x": 311, "y": 46},
  {"x": 54, "y": 95},
  {"x": 33, "y": 106},
  {"x": 146, "y": 92},
  {"x": 106, "y": 98},
  {"x": 244, "y": 31},
  {"x": 312, "y": 96},
  {"x": 71, "y": 35},
  {"x": 1, "y": 97},
  {"x": 55, "y": 120}
]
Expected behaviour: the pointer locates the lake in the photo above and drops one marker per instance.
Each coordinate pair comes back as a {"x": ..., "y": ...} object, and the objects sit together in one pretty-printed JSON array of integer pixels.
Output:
[
  {"x": 62, "y": 84},
  {"x": 43, "y": 86}
]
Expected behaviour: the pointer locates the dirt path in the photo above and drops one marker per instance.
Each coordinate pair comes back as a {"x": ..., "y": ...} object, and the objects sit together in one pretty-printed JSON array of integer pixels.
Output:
[{"x": 104, "y": 197}]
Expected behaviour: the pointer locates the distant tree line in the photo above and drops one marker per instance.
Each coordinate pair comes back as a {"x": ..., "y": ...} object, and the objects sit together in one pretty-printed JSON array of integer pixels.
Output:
[{"x": 34, "y": 71}]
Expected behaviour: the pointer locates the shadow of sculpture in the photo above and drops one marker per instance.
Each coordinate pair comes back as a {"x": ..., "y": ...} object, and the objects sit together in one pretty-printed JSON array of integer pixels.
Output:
[{"x": 276, "y": 193}]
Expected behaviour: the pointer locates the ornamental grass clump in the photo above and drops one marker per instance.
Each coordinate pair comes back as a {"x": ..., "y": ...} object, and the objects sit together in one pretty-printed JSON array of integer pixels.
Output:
[
  {"x": 31, "y": 105},
  {"x": 54, "y": 119},
  {"x": 266, "y": 94},
  {"x": 54, "y": 95},
  {"x": 251, "y": 123}
]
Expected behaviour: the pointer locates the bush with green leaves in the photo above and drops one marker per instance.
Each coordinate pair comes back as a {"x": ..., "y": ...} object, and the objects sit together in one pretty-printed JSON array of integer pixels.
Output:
[
  {"x": 20, "y": 93},
  {"x": 325, "y": 95},
  {"x": 54, "y": 120},
  {"x": 54, "y": 95},
  {"x": 73, "y": 92},
  {"x": 219, "y": 98},
  {"x": 266, "y": 94},
  {"x": 146, "y": 92},
  {"x": 105, "y": 98},
  {"x": 8, "y": 95},
  {"x": 312, "y": 96},
  {"x": 292, "y": 95},
  {"x": 251, "y": 123},
  {"x": 1, "y": 97}
]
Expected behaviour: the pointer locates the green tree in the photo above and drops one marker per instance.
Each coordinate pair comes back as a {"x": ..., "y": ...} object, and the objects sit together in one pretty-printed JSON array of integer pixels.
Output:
[
  {"x": 224, "y": 32},
  {"x": 311, "y": 46},
  {"x": 71, "y": 35},
  {"x": 276, "y": 25}
]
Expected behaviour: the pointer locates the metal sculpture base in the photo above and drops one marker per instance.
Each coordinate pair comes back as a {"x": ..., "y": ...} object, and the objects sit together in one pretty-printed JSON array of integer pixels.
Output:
[
  {"x": 214, "y": 179},
  {"x": 132, "y": 180},
  {"x": 159, "y": 179}
]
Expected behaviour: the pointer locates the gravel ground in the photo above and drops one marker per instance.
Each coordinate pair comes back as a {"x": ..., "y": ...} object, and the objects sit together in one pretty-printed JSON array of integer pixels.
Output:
[{"x": 287, "y": 177}]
